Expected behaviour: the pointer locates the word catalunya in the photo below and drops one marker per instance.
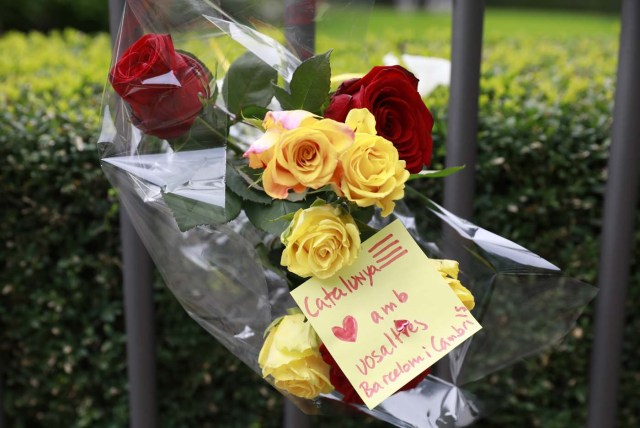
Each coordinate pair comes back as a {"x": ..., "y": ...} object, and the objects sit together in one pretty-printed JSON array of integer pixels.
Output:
[{"x": 313, "y": 307}]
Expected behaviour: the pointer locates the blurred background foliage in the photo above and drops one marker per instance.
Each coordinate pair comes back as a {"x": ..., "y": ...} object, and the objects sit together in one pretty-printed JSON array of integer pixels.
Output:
[
  {"x": 92, "y": 16},
  {"x": 46, "y": 15},
  {"x": 545, "y": 115}
]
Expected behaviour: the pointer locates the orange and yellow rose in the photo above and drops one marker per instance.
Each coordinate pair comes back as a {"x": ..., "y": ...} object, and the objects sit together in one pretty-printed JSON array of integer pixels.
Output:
[
  {"x": 274, "y": 124},
  {"x": 305, "y": 157}
]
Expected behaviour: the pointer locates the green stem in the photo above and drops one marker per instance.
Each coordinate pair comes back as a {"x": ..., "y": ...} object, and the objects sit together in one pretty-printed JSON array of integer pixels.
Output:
[
  {"x": 234, "y": 147},
  {"x": 230, "y": 144}
]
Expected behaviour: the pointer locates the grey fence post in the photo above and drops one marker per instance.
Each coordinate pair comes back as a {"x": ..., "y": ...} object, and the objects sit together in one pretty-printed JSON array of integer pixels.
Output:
[
  {"x": 462, "y": 126},
  {"x": 138, "y": 304},
  {"x": 139, "y": 325},
  {"x": 300, "y": 26},
  {"x": 620, "y": 209},
  {"x": 2, "y": 420},
  {"x": 300, "y": 32}
]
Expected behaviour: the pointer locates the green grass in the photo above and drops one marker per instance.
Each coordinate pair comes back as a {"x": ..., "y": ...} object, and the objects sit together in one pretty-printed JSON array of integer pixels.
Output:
[
  {"x": 498, "y": 22},
  {"x": 365, "y": 35},
  {"x": 558, "y": 25}
]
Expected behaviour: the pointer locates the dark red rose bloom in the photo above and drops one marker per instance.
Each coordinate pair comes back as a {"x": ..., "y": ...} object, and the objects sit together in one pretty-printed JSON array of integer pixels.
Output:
[
  {"x": 163, "y": 87},
  {"x": 342, "y": 385},
  {"x": 391, "y": 95}
]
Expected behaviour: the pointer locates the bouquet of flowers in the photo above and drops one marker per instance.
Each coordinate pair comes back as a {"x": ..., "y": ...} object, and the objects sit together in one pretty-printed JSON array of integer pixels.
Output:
[{"x": 277, "y": 210}]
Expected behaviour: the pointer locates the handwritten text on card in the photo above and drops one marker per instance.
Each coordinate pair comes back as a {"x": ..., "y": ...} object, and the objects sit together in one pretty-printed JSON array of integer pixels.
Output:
[{"x": 388, "y": 317}]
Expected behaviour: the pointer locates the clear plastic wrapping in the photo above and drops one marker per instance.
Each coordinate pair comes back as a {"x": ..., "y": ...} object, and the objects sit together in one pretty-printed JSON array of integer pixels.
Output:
[{"x": 221, "y": 274}]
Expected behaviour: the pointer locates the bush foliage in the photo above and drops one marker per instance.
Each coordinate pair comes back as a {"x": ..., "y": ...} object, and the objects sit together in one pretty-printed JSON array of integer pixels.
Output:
[{"x": 542, "y": 145}]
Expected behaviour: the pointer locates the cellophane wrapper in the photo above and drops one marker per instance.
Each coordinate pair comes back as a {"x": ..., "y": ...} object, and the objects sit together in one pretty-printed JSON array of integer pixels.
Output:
[{"x": 218, "y": 273}]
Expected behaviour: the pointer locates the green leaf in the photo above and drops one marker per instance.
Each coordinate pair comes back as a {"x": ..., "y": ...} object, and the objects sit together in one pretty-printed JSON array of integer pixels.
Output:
[
  {"x": 287, "y": 217},
  {"x": 254, "y": 112},
  {"x": 254, "y": 116},
  {"x": 363, "y": 215},
  {"x": 309, "y": 86},
  {"x": 270, "y": 260},
  {"x": 248, "y": 83},
  {"x": 265, "y": 217},
  {"x": 440, "y": 173},
  {"x": 240, "y": 183},
  {"x": 190, "y": 213},
  {"x": 319, "y": 202},
  {"x": 283, "y": 97}
]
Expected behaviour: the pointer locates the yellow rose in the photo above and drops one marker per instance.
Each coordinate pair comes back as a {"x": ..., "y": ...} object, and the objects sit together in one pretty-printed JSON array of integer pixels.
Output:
[
  {"x": 361, "y": 120},
  {"x": 306, "y": 157},
  {"x": 320, "y": 241},
  {"x": 449, "y": 271},
  {"x": 372, "y": 173},
  {"x": 291, "y": 356}
]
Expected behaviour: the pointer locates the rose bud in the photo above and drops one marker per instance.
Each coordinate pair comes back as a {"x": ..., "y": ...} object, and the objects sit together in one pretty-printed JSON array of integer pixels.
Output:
[{"x": 291, "y": 357}]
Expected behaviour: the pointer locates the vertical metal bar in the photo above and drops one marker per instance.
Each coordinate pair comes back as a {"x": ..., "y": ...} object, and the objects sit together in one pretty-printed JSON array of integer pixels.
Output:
[
  {"x": 300, "y": 32},
  {"x": 2, "y": 419},
  {"x": 300, "y": 26},
  {"x": 620, "y": 208},
  {"x": 138, "y": 303},
  {"x": 115, "y": 14},
  {"x": 462, "y": 127},
  {"x": 293, "y": 417},
  {"x": 139, "y": 325}
]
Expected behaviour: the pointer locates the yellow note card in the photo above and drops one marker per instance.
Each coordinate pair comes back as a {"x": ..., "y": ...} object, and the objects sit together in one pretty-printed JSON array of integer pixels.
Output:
[{"x": 388, "y": 317}]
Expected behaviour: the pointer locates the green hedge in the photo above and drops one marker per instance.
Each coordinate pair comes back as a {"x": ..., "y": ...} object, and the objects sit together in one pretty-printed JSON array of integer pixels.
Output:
[
  {"x": 590, "y": 5},
  {"x": 46, "y": 15},
  {"x": 543, "y": 140},
  {"x": 62, "y": 344}
]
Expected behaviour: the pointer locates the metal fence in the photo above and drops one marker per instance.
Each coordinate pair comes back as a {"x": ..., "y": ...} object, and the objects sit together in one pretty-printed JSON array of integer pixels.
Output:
[
  {"x": 616, "y": 243},
  {"x": 617, "y": 236}
]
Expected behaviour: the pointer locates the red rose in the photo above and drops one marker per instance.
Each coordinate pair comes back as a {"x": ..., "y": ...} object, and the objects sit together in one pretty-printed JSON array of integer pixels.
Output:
[
  {"x": 391, "y": 95},
  {"x": 163, "y": 87},
  {"x": 342, "y": 385}
]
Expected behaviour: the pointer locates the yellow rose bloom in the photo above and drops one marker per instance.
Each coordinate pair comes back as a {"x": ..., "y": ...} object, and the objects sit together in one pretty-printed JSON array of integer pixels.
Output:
[
  {"x": 306, "y": 157},
  {"x": 361, "y": 120},
  {"x": 449, "y": 271},
  {"x": 462, "y": 292},
  {"x": 291, "y": 356},
  {"x": 372, "y": 173},
  {"x": 320, "y": 241}
]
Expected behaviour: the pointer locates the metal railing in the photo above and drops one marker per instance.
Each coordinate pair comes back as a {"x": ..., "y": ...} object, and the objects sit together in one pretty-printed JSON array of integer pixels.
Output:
[
  {"x": 464, "y": 91},
  {"x": 619, "y": 217},
  {"x": 137, "y": 279},
  {"x": 2, "y": 419},
  {"x": 617, "y": 237}
]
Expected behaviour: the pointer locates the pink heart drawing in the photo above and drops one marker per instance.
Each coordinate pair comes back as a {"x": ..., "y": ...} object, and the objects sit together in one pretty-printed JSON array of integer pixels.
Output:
[
  {"x": 401, "y": 325},
  {"x": 349, "y": 330}
]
